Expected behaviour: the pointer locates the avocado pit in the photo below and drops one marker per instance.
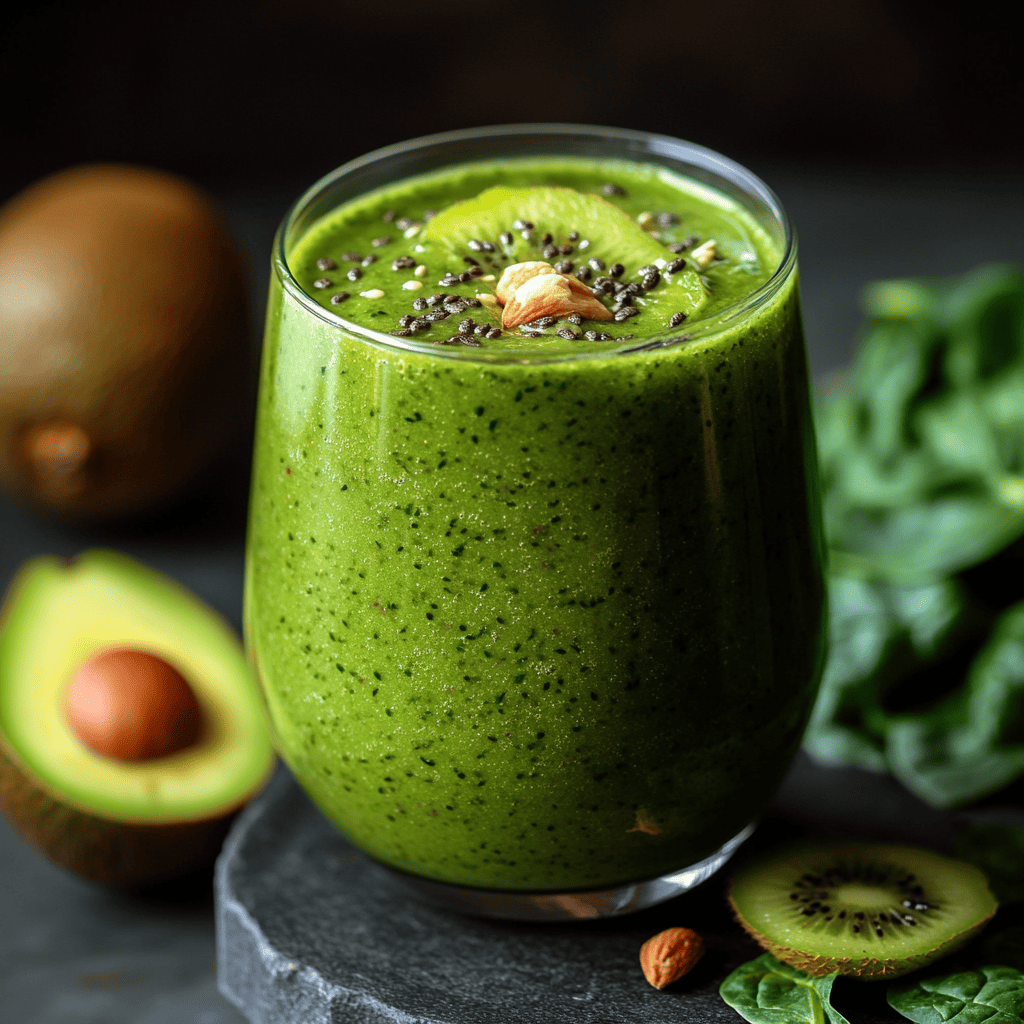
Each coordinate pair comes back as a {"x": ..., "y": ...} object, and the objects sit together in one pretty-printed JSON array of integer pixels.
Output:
[{"x": 130, "y": 705}]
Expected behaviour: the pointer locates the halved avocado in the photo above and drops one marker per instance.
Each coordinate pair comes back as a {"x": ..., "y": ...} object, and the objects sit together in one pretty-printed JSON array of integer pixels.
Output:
[{"x": 122, "y": 823}]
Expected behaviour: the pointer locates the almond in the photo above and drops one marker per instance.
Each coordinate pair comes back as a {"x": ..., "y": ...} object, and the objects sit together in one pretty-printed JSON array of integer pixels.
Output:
[
  {"x": 532, "y": 290},
  {"x": 669, "y": 955},
  {"x": 517, "y": 274}
]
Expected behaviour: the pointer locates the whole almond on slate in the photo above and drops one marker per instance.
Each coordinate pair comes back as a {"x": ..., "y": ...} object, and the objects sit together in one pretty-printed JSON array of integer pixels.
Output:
[{"x": 669, "y": 955}]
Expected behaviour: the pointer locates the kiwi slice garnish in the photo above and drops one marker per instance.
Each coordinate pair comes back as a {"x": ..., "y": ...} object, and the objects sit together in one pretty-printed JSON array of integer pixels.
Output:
[
  {"x": 869, "y": 910},
  {"x": 609, "y": 234}
]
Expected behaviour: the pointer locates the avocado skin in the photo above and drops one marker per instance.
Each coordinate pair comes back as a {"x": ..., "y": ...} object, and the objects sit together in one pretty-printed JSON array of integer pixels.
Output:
[
  {"x": 118, "y": 854},
  {"x": 129, "y": 368}
]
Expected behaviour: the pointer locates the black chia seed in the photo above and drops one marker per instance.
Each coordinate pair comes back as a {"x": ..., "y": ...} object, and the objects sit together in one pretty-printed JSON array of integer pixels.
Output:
[
  {"x": 468, "y": 339},
  {"x": 550, "y": 251},
  {"x": 470, "y": 301},
  {"x": 675, "y": 266},
  {"x": 689, "y": 243},
  {"x": 546, "y": 321},
  {"x": 467, "y": 326},
  {"x": 476, "y": 245},
  {"x": 676, "y": 247},
  {"x": 568, "y": 334},
  {"x": 326, "y": 263},
  {"x": 469, "y": 259},
  {"x": 676, "y": 319},
  {"x": 650, "y": 280},
  {"x": 382, "y": 240},
  {"x": 573, "y": 236},
  {"x": 666, "y": 219},
  {"x": 401, "y": 333},
  {"x": 406, "y": 320},
  {"x": 563, "y": 267},
  {"x": 574, "y": 318},
  {"x": 419, "y": 303},
  {"x": 583, "y": 274},
  {"x": 437, "y": 314},
  {"x": 547, "y": 239},
  {"x": 505, "y": 238},
  {"x": 626, "y": 312},
  {"x": 616, "y": 270},
  {"x": 388, "y": 217},
  {"x": 339, "y": 298},
  {"x": 522, "y": 225},
  {"x": 367, "y": 260},
  {"x": 354, "y": 274},
  {"x": 591, "y": 335},
  {"x": 613, "y": 190},
  {"x": 403, "y": 263},
  {"x": 351, "y": 257},
  {"x": 494, "y": 332},
  {"x": 565, "y": 250},
  {"x": 322, "y": 282},
  {"x": 596, "y": 264}
]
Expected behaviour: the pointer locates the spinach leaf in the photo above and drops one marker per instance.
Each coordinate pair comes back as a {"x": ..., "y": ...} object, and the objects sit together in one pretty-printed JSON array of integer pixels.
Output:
[
  {"x": 998, "y": 849},
  {"x": 993, "y": 995},
  {"x": 765, "y": 991}
]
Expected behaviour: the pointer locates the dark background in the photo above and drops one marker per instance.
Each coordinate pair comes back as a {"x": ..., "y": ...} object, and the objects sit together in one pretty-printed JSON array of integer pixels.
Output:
[{"x": 258, "y": 92}]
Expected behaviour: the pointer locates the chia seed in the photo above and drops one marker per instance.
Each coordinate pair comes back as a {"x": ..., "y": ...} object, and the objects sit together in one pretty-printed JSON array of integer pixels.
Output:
[
  {"x": 591, "y": 335},
  {"x": 388, "y": 217},
  {"x": 573, "y": 236},
  {"x": 574, "y": 318},
  {"x": 367, "y": 260},
  {"x": 476, "y": 245},
  {"x": 547, "y": 239},
  {"x": 596, "y": 263},
  {"x": 666, "y": 219},
  {"x": 689, "y": 243},
  {"x": 676, "y": 319},
  {"x": 650, "y": 280},
  {"x": 546, "y": 321},
  {"x": 550, "y": 251},
  {"x": 494, "y": 332},
  {"x": 481, "y": 329},
  {"x": 563, "y": 267},
  {"x": 406, "y": 320},
  {"x": 526, "y": 235},
  {"x": 626, "y": 312},
  {"x": 464, "y": 277},
  {"x": 322, "y": 282},
  {"x": 403, "y": 263},
  {"x": 354, "y": 274},
  {"x": 339, "y": 298},
  {"x": 326, "y": 263},
  {"x": 522, "y": 225},
  {"x": 351, "y": 257},
  {"x": 676, "y": 247},
  {"x": 437, "y": 314},
  {"x": 470, "y": 260},
  {"x": 468, "y": 339},
  {"x": 404, "y": 223},
  {"x": 401, "y": 333},
  {"x": 675, "y": 266},
  {"x": 454, "y": 304},
  {"x": 382, "y": 240},
  {"x": 565, "y": 250},
  {"x": 419, "y": 303},
  {"x": 583, "y": 274},
  {"x": 616, "y": 270},
  {"x": 466, "y": 326},
  {"x": 568, "y": 334},
  {"x": 613, "y": 190},
  {"x": 505, "y": 238},
  {"x": 470, "y": 301}
]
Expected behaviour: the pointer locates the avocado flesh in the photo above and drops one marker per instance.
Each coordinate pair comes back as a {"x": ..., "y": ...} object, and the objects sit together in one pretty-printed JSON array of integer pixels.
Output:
[{"x": 57, "y": 617}]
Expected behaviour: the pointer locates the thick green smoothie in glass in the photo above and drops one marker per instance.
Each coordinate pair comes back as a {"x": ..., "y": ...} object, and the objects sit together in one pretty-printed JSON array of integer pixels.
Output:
[{"x": 535, "y": 611}]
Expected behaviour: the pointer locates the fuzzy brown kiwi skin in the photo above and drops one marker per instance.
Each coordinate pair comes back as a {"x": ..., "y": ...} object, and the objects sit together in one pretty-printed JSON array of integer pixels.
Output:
[{"x": 856, "y": 967}]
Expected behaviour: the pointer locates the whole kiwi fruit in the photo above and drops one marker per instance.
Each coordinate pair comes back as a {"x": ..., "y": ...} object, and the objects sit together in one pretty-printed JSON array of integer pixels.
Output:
[{"x": 124, "y": 340}]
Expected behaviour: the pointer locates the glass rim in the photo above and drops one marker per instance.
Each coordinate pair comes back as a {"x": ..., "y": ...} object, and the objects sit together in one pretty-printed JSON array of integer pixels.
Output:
[{"x": 652, "y": 143}]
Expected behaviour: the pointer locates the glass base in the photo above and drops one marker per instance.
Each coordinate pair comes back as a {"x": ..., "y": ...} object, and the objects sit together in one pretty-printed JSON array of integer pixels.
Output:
[{"x": 576, "y": 905}]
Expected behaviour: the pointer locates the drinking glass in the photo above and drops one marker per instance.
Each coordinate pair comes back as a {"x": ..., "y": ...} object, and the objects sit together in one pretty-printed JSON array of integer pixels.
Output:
[{"x": 539, "y": 633}]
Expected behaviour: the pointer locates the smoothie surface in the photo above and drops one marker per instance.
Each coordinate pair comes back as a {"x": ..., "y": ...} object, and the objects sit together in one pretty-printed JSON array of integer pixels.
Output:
[{"x": 387, "y": 257}]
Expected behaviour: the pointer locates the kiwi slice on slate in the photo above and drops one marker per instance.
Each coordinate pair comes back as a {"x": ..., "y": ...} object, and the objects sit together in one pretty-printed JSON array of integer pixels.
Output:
[
  {"x": 868, "y": 910},
  {"x": 490, "y": 219}
]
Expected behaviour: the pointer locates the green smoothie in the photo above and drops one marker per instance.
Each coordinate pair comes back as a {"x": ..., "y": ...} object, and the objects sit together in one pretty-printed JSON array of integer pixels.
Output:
[{"x": 535, "y": 610}]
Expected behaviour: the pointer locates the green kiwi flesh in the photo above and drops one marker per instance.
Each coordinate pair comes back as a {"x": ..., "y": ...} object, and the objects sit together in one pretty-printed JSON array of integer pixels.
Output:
[
  {"x": 868, "y": 910},
  {"x": 610, "y": 232}
]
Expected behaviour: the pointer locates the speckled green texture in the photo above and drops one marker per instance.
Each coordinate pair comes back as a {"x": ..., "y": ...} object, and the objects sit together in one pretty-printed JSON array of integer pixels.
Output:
[{"x": 536, "y": 625}]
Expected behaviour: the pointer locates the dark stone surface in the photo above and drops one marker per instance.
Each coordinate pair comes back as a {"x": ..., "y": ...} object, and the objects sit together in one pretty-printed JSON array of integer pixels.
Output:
[{"x": 311, "y": 931}]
